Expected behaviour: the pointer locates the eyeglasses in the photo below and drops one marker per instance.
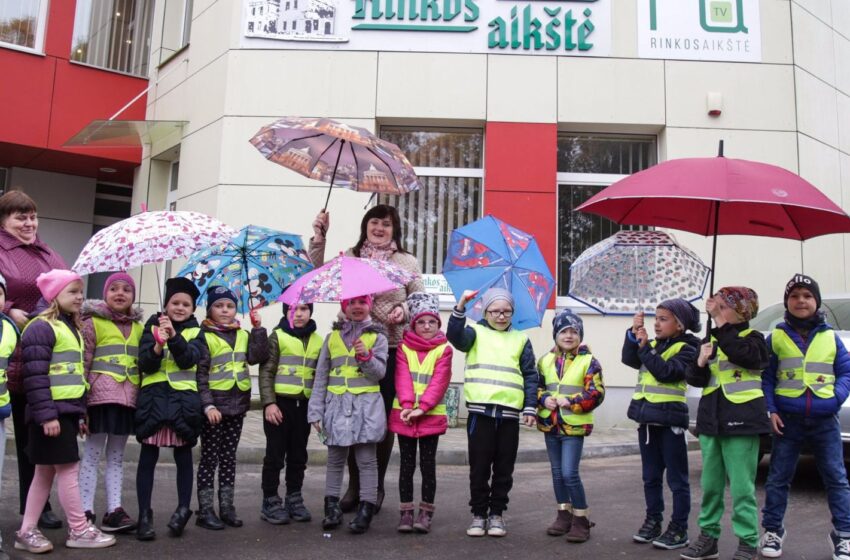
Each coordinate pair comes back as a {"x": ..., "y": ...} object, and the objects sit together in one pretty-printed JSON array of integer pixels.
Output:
[
  {"x": 426, "y": 323},
  {"x": 505, "y": 314}
]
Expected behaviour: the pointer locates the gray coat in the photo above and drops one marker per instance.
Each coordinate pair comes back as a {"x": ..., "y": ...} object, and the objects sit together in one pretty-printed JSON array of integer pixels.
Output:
[{"x": 349, "y": 419}]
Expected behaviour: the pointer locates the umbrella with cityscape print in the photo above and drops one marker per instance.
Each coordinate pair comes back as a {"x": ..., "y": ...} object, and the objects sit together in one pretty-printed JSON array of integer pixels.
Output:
[{"x": 337, "y": 153}]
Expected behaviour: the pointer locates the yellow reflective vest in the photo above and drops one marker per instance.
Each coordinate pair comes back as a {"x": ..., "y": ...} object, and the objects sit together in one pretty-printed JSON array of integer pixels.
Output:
[
  {"x": 421, "y": 374},
  {"x": 569, "y": 385},
  {"x": 296, "y": 365},
  {"x": 492, "y": 374},
  {"x": 228, "y": 365},
  {"x": 178, "y": 379},
  {"x": 796, "y": 372},
  {"x": 649, "y": 388},
  {"x": 7, "y": 347},
  {"x": 114, "y": 355},
  {"x": 345, "y": 375},
  {"x": 66, "y": 373},
  {"x": 739, "y": 384}
]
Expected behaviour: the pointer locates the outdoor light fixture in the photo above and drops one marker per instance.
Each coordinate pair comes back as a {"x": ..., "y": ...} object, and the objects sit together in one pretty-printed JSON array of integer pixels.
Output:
[{"x": 714, "y": 103}]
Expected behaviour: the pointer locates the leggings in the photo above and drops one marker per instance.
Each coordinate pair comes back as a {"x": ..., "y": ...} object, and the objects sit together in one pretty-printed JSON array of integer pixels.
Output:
[
  {"x": 367, "y": 463},
  {"x": 114, "y": 469},
  {"x": 427, "y": 466},
  {"x": 148, "y": 458},
  {"x": 26, "y": 470},
  {"x": 69, "y": 495},
  {"x": 218, "y": 450}
]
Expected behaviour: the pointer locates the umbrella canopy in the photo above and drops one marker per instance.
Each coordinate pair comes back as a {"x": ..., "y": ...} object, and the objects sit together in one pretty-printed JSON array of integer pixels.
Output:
[
  {"x": 257, "y": 264},
  {"x": 344, "y": 278},
  {"x": 635, "y": 271},
  {"x": 150, "y": 237},
  {"x": 337, "y": 153},
  {"x": 488, "y": 253}
]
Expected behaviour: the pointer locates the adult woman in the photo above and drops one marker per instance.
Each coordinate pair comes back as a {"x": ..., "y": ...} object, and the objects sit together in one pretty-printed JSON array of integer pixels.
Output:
[
  {"x": 23, "y": 257},
  {"x": 380, "y": 238}
]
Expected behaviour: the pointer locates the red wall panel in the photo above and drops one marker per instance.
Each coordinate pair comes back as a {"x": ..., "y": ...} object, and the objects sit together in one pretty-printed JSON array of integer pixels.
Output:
[
  {"x": 60, "y": 28},
  {"x": 25, "y": 97}
]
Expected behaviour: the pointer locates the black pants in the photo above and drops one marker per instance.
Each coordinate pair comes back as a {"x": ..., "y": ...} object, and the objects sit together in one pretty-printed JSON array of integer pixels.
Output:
[
  {"x": 662, "y": 450},
  {"x": 148, "y": 457},
  {"x": 26, "y": 470},
  {"x": 493, "y": 445},
  {"x": 427, "y": 466},
  {"x": 286, "y": 445},
  {"x": 218, "y": 452}
]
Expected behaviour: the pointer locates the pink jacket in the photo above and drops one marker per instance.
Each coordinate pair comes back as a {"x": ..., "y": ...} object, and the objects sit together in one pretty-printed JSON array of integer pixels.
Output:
[
  {"x": 104, "y": 389},
  {"x": 426, "y": 425}
]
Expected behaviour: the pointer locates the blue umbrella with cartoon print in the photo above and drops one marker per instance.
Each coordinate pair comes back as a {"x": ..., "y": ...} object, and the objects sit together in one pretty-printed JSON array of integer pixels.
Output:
[{"x": 257, "y": 264}]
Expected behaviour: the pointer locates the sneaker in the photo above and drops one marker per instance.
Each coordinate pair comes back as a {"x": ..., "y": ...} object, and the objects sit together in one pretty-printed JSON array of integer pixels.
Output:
[
  {"x": 91, "y": 517},
  {"x": 32, "y": 541},
  {"x": 771, "y": 543},
  {"x": 705, "y": 548},
  {"x": 90, "y": 537},
  {"x": 745, "y": 552},
  {"x": 649, "y": 531},
  {"x": 478, "y": 527},
  {"x": 674, "y": 537},
  {"x": 840, "y": 547},
  {"x": 274, "y": 512},
  {"x": 117, "y": 522},
  {"x": 496, "y": 526}
]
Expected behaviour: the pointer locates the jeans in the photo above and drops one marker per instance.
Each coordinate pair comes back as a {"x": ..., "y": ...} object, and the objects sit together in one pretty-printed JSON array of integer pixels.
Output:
[
  {"x": 663, "y": 450},
  {"x": 823, "y": 436},
  {"x": 564, "y": 457}
]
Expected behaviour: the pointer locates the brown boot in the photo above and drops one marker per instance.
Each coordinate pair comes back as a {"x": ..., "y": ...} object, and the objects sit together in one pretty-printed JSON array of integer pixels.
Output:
[
  {"x": 580, "y": 529},
  {"x": 562, "y": 523}
]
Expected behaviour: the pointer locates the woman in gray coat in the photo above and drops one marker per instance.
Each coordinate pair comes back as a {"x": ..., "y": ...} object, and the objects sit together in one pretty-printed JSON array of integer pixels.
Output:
[{"x": 347, "y": 409}]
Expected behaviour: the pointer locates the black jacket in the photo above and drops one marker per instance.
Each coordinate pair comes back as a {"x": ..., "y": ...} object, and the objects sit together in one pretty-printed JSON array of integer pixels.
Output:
[
  {"x": 717, "y": 416},
  {"x": 670, "y": 371}
]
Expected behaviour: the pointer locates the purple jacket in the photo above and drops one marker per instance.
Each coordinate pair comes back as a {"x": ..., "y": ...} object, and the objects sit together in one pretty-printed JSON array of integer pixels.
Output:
[{"x": 37, "y": 345}]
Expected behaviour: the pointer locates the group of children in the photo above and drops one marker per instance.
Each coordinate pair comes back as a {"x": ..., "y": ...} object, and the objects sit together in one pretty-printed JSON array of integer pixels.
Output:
[{"x": 94, "y": 369}]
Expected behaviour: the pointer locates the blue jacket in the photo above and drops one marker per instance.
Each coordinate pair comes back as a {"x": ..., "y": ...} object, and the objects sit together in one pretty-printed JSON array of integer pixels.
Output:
[{"x": 807, "y": 404}]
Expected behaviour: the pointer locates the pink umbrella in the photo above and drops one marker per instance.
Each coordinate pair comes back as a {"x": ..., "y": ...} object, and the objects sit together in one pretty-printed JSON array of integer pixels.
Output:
[{"x": 344, "y": 278}]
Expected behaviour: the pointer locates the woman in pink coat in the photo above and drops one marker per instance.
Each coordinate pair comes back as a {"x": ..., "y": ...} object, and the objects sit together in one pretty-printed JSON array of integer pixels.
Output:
[{"x": 422, "y": 376}]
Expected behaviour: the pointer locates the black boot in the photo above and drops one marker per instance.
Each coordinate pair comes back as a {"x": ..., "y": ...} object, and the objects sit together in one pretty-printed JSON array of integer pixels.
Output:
[
  {"x": 333, "y": 513},
  {"x": 48, "y": 520},
  {"x": 178, "y": 520},
  {"x": 144, "y": 531},
  {"x": 360, "y": 524},
  {"x": 206, "y": 512},
  {"x": 226, "y": 509}
]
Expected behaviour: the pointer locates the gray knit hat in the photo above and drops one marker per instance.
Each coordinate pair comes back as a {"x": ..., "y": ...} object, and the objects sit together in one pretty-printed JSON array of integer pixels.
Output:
[{"x": 495, "y": 294}]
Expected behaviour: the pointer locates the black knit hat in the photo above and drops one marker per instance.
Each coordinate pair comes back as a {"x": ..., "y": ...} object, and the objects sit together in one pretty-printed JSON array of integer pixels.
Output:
[
  {"x": 802, "y": 281},
  {"x": 215, "y": 293},
  {"x": 181, "y": 285},
  {"x": 285, "y": 308}
]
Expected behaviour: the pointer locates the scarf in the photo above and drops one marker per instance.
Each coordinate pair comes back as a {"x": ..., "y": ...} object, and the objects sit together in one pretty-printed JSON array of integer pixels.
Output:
[
  {"x": 351, "y": 330},
  {"x": 211, "y": 325},
  {"x": 381, "y": 252},
  {"x": 805, "y": 326}
]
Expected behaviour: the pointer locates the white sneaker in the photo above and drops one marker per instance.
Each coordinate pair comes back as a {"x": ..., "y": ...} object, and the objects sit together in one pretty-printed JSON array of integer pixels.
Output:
[
  {"x": 478, "y": 527},
  {"x": 770, "y": 545},
  {"x": 90, "y": 537},
  {"x": 496, "y": 526},
  {"x": 32, "y": 541}
]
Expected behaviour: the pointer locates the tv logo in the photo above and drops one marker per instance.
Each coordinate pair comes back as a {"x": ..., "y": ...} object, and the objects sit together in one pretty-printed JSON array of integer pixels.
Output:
[{"x": 715, "y": 16}]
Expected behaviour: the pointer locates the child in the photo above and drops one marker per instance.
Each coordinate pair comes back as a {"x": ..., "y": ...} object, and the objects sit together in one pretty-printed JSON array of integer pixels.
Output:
[
  {"x": 570, "y": 388},
  {"x": 659, "y": 407},
  {"x": 805, "y": 385},
  {"x": 8, "y": 344},
  {"x": 55, "y": 384},
  {"x": 286, "y": 383},
  {"x": 111, "y": 330},
  {"x": 500, "y": 383},
  {"x": 225, "y": 389},
  {"x": 422, "y": 375},
  {"x": 347, "y": 409},
  {"x": 168, "y": 411},
  {"x": 731, "y": 417}
]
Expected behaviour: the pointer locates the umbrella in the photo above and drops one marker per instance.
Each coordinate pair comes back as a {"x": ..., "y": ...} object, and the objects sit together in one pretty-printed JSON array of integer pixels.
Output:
[
  {"x": 257, "y": 264},
  {"x": 635, "y": 271},
  {"x": 344, "y": 278},
  {"x": 337, "y": 153},
  {"x": 489, "y": 253},
  {"x": 150, "y": 237}
]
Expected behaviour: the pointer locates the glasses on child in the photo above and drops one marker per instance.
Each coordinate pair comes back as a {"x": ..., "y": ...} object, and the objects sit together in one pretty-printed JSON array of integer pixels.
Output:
[
  {"x": 506, "y": 314},
  {"x": 427, "y": 323}
]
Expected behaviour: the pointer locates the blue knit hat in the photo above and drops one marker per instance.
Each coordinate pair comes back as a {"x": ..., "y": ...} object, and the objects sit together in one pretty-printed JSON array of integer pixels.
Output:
[
  {"x": 215, "y": 293},
  {"x": 566, "y": 319},
  {"x": 684, "y": 312}
]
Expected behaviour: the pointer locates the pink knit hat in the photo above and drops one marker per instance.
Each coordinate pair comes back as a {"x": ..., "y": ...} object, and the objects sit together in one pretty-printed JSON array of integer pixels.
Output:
[
  {"x": 344, "y": 303},
  {"x": 53, "y": 282},
  {"x": 119, "y": 277}
]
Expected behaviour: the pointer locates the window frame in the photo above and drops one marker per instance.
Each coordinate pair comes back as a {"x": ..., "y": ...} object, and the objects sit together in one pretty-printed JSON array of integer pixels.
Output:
[
  {"x": 40, "y": 32},
  {"x": 103, "y": 67}
]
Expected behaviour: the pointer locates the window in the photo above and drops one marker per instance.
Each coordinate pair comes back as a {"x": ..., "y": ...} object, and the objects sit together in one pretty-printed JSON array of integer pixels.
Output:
[
  {"x": 112, "y": 203},
  {"x": 113, "y": 34},
  {"x": 449, "y": 163},
  {"x": 176, "y": 27},
  {"x": 22, "y": 24},
  {"x": 586, "y": 165}
]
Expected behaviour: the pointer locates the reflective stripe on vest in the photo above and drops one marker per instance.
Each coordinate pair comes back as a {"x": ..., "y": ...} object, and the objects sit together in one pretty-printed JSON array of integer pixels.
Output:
[
  {"x": 492, "y": 374},
  {"x": 7, "y": 347},
  {"x": 814, "y": 370},
  {"x": 178, "y": 379},
  {"x": 113, "y": 354},
  {"x": 421, "y": 374},
  {"x": 296, "y": 366},
  {"x": 66, "y": 373},
  {"x": 570, "y": 383},
  {"x": 739, "y": 384},
  {"x": 649, "y": 388},
  {"x": 228, "y": 366},
  {"x": 345, "y": 375}
]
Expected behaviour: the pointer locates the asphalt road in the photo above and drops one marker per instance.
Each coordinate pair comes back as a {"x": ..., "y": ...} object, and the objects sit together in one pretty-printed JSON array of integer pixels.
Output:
[{"x": 612, "y": 485}]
